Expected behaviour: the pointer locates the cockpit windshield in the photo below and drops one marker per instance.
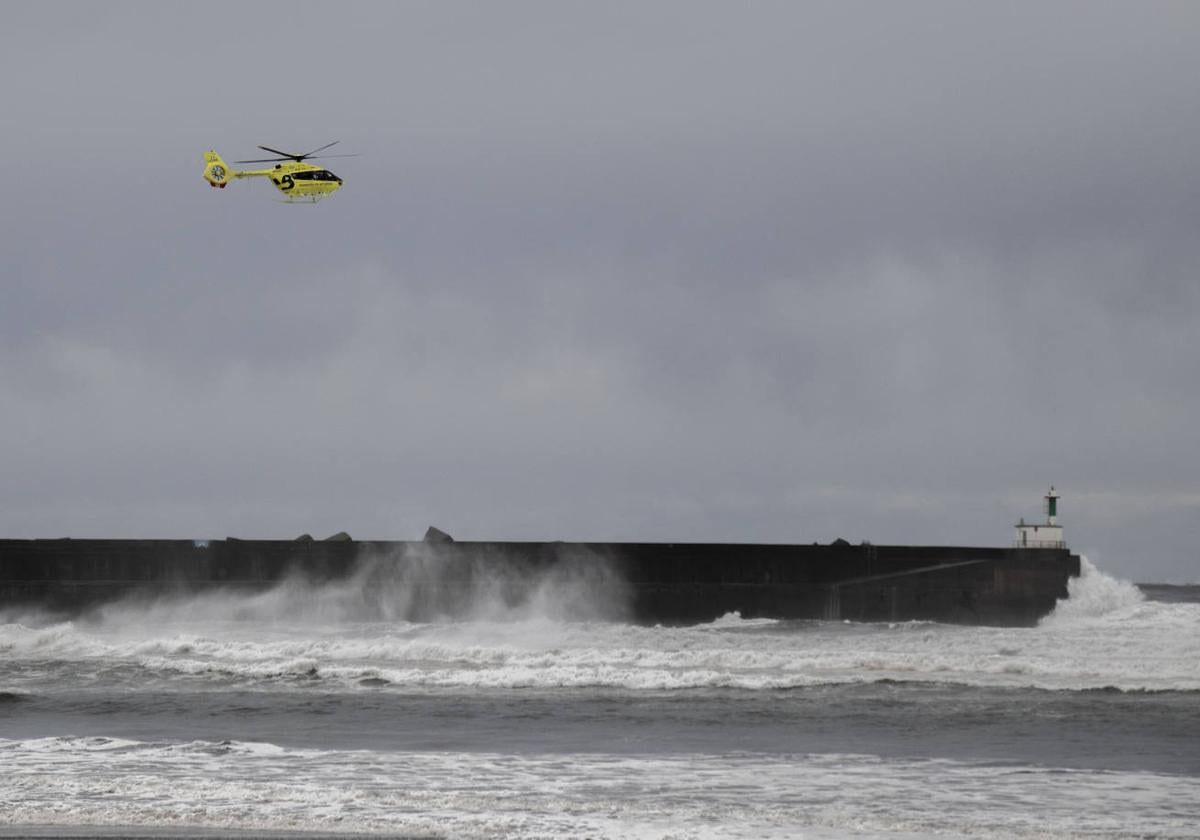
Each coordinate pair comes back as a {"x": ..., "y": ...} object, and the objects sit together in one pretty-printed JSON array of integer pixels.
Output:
[{"x": 315, "y": 175}]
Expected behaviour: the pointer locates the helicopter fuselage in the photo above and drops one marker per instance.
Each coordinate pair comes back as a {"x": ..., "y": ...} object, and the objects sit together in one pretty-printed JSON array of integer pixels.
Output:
[{"x": 297, "y": 181}]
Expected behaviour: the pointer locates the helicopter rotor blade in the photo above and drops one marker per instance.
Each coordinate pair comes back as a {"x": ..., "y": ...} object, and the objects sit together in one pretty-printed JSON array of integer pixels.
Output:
[
  {"x": 314, "y": 151},
  {"x": 306, "y": 157},
  {"x": 284, "y": 154},
  {"x": 298, "y": 158}
]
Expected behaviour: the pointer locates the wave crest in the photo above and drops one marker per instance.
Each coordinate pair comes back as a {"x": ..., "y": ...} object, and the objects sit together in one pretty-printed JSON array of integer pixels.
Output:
[{"x": 1094, "y": 594}]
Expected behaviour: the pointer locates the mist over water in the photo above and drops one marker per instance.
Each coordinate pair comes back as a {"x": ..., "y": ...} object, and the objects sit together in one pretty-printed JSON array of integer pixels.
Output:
[
  {"x": 421, "y": 585},
  {"x": 500, "y": 705}
]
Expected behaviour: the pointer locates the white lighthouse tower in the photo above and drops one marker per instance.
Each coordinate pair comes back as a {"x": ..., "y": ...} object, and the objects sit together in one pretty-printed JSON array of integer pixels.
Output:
[{"x": 1048, "y": 534}]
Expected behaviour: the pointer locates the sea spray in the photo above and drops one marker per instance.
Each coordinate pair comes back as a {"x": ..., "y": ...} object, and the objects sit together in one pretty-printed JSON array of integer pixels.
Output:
[
  {"x": 1094, "y": 594},
  {"x": 424, "y": 584}
]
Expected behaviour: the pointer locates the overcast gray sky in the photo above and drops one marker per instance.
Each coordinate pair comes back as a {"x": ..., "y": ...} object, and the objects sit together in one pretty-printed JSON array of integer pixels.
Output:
[{"x": 613, "y": 271}]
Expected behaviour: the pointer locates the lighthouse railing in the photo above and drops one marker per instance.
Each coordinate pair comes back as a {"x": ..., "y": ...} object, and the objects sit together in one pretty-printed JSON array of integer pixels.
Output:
[{"x": 1019, "y": 543}]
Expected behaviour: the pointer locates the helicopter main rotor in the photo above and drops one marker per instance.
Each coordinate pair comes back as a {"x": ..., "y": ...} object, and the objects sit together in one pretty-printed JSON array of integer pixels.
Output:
[{"x": 298, "y": 158}]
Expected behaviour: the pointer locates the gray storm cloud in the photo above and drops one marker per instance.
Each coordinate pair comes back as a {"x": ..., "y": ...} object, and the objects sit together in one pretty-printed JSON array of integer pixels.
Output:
[{"x": 635, "y": 271}]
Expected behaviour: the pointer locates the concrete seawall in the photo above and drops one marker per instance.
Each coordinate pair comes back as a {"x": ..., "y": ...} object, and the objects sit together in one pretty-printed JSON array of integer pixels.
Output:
[{"x": 645, "y": 582}]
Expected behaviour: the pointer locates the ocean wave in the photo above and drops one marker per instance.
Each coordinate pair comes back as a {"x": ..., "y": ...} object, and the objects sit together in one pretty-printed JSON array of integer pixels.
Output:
[
  {"x": 1069, "y": 657},
  {"x": 238, "y": 785},
  {"x": 89, "y": 744},
  {"x": 1096, "y": 595},
  {"x": 1105, "y": 634}
]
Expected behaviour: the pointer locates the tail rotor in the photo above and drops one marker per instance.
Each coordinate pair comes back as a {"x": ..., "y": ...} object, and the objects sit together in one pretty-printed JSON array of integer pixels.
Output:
[{"x": 216, "y": 170}]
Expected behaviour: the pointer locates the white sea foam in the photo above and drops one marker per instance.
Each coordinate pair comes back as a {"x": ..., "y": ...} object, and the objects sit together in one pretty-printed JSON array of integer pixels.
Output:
[
  {"x": 1106, "y": 634},
  {"x": 237, "y": 785},
  {"x": 734, "y": 620}
]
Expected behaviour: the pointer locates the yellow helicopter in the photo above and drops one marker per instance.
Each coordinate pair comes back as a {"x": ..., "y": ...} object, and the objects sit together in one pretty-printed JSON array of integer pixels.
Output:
[{"x": 299, "y": 182}]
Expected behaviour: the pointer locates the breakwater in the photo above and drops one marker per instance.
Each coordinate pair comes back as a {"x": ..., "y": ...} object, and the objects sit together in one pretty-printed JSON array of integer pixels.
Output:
[{"x": 675, "y": 583}]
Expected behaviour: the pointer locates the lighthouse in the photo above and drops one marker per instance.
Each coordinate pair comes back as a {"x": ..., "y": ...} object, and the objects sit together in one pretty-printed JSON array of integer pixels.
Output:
[{"x": 1048, "y": 534}]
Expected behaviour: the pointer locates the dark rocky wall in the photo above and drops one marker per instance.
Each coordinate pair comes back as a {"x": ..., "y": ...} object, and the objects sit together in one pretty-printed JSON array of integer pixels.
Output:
[{"x": 655, "y": 582}]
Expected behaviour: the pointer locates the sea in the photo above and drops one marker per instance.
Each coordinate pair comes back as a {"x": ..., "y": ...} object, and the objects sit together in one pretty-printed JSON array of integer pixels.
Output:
[{"x": 313, "y": 709}]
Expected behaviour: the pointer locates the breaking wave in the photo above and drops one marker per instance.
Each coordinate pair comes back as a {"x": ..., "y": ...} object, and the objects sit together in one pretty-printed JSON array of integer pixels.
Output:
[
  {"x": 1095, "y": 594},
  {"x": 353, "y": 635},
  {"x": 239, "y": 785}
]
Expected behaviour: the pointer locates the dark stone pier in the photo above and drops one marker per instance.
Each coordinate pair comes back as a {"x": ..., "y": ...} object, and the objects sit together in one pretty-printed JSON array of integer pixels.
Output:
[{"x": 673, "y": 583}]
